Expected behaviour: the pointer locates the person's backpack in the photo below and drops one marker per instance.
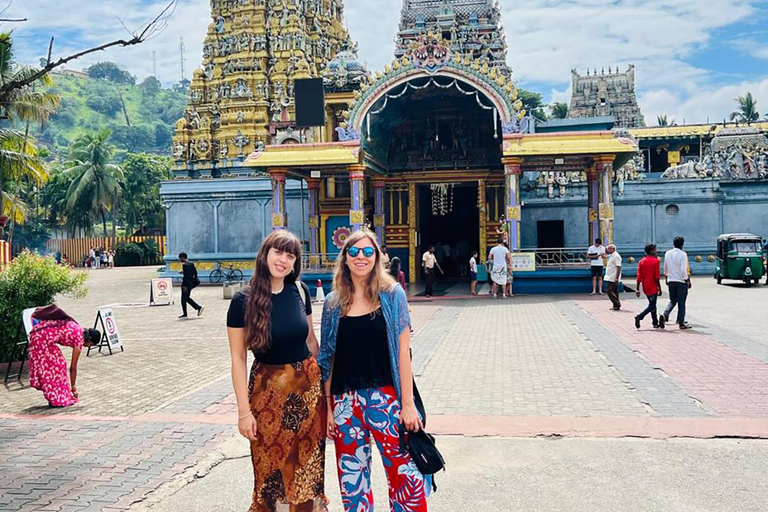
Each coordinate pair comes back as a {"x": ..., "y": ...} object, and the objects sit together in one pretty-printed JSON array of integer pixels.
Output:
[{"x": 303, "y": 293}]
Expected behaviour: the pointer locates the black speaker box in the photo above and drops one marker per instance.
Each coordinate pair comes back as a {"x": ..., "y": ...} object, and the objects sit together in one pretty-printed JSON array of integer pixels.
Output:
[{"x": 310, "y": 102}]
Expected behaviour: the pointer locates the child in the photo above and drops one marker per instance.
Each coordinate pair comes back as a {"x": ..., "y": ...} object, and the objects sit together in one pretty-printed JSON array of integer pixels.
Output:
[{"x": 473, "y": 273}]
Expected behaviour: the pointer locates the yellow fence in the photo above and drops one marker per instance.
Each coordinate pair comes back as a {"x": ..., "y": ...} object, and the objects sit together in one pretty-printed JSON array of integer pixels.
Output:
[
  {"x": 5, "y": 252},
  {"x": 76, "y": 248}
]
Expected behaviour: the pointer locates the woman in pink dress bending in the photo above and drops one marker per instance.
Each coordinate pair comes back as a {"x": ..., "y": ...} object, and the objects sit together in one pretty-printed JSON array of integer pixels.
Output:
[{"x": 47, "y": 365}]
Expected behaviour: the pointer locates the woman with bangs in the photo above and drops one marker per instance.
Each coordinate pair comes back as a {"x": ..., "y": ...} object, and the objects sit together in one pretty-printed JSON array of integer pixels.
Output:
[
  {"x": 366, "y": 369},
  {"x": 281, "y": 407}
]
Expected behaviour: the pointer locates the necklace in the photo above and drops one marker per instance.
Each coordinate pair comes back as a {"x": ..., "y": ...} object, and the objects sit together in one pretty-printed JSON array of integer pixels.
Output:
[{"x": 278, "y": 292}]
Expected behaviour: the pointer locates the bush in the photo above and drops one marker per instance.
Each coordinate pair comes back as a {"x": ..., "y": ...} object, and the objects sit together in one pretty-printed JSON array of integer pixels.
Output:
[
  {"x": 28, "y": 281},
  {"x": 135, "y": 254}
]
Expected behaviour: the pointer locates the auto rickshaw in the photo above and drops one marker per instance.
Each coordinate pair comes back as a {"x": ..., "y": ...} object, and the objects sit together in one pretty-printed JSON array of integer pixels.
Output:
[{"x": 740, "y": 256}]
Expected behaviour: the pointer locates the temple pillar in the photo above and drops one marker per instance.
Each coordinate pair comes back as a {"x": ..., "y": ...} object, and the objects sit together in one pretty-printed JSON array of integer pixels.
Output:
[
  {"x": 604, "y": 168},
  {"x": 593, "y": 203},
  {"x": 513, "y": 169},
  {"x": 313, "y": 189},
  {"x": 413, "y": 265},
  {"x": 482, "y": 208},
  {"x": 279, "y": 220},
  {"x": 378, "y": 209},
  {"x": 356, "y": 194}
]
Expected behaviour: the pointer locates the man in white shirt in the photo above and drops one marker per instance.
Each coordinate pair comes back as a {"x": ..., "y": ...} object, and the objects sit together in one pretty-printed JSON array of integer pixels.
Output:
[
  {"x": 429, "y": 262},
  {"x": 499, "y": 271},
  {"x": 678, "y": 276},
  {"x": 613, "y": 276},
  {"x": 595, "y": 255}
]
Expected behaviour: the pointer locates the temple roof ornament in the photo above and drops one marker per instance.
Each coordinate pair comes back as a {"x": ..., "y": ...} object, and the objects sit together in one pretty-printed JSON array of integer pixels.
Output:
[
  {"x": 242, "y": 96},
  {"x": 345, "y": 72},
  {"x": 431, "y": 57},
  {"x": 606, "y": 94}
]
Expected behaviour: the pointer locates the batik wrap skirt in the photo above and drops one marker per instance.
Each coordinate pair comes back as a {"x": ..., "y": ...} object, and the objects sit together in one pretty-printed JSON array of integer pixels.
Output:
[{"x": 289, "y": 452}]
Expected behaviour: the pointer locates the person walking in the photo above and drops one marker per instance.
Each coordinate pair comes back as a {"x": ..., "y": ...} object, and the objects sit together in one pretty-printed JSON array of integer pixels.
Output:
[
  {"x": 281, "y": 405},
  {"x": 385, "y": 256},
  {"x": 648, "y": 282},
  {"x": 473, "y": 273},
  {"x": 499, "y": 272},
  {"x": 595, "y": 255},
  {"x": 96, "y": 258},
  {"x": 613, "y": 276},
  {"x": 189, "y": 281},
  {"x": 394, "y": 270},
  {"x": 429, "y": 262},
  {"x": 366, "y": 365},
  {"x": 678, "y": 277},
  {"x": 47, "y": 366}
]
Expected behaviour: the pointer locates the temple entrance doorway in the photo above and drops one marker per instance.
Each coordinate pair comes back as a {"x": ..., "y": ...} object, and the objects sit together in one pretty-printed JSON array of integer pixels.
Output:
[{"x": 449, "y": 220}]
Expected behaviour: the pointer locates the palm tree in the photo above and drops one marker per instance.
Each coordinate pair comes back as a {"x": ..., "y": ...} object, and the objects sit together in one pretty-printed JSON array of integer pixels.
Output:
[
  {"x": 559, "y": 110},
  {"x": 747, "y": 112},
  {"x": 18, "y": 156},
  {"x": 662, "y": 120},
  {"x": 96, "y": 181}
]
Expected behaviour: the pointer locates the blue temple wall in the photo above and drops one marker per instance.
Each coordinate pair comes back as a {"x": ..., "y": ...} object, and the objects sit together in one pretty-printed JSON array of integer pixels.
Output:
[
  {"x": 225, "y": 219},
  {"x": 705, "y": 209}
]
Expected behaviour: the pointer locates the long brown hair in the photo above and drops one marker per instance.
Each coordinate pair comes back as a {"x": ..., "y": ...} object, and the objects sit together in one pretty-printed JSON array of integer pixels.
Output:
[
  {"x": 258, "y": 312},
  {"x": 378, "y": 280}
]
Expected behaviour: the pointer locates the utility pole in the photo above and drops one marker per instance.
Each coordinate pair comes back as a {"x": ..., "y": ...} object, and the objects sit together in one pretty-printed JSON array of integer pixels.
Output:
[
  {"x": 154, "y": 63},
  {"x": 182, "y": 59}
]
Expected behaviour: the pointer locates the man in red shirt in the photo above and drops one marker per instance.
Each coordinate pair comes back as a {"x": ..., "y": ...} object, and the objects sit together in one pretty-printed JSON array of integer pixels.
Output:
[{"x": 648, "y": 282}]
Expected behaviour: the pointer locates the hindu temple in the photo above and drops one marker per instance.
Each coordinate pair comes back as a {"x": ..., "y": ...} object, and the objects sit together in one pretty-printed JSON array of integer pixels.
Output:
[{"x": 436, "y": 148}]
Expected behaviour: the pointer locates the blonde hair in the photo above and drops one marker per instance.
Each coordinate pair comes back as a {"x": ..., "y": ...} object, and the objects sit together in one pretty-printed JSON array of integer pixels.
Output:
[{"x": 378, "y": 280}]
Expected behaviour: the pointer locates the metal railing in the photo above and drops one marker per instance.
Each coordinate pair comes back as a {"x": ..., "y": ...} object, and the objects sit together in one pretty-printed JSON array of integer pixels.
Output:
[
  {"x": 318, "y": 262},
  {"x": 559, "y": 257}
]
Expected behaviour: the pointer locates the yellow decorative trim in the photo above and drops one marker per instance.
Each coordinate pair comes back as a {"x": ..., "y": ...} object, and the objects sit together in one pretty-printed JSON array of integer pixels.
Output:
[
  {"x": 606, "y": 211},
  {"x": 205, "y": 265},
  {"x": 588, "y": 143},
  {"x": 175, "y": 266},
  {"x": 514, "y": 213},
  {"x": 278, "y": 220},
  {"x": 356, "y": 217},
  {"x": 687, "y": 130}
]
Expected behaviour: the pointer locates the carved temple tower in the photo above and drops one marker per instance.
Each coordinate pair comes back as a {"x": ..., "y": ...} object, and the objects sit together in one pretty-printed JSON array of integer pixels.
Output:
[
  {"x": 612, "y": 94},
  {"x": 242, "y": 97},
  {"x": 471, "y": 27}
]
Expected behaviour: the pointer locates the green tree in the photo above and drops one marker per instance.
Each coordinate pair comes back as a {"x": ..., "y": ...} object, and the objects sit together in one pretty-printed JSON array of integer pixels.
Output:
[
  {"x": 110, "y": 72},
  {"x": 108, "y": 104},
  {"x": 140, "y": 205},
  {"x": 533, "y": 104},
  {"x": 18, "y": 154},
  {"x": 96, "y": 179},
  {"x": 134, "y": 138},
  {"x": 747, "y": 112},
  {"x": 151, "y": 85},
  {"x": 559, "y": 110},
  {"x": 662, "y": 120}
]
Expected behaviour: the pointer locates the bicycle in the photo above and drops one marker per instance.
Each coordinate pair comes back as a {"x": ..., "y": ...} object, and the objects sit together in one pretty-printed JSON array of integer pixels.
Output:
[{"x": 230, "y": 274}]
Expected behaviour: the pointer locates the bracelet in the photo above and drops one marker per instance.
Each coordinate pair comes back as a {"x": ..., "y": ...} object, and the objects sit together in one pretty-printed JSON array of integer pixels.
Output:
[{"x": 245, "y": 416}]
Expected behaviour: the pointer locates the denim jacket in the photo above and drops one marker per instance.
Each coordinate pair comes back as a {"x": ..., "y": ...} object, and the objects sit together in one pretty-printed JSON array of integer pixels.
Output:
[{"x": 394, "y": 306}]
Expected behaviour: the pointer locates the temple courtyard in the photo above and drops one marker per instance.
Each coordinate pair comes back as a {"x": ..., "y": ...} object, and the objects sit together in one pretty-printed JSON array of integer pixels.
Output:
[{"x": 540, "y": 403}]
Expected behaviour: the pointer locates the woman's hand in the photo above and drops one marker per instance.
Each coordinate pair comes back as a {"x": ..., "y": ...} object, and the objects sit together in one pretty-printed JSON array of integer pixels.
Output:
[
  {"x": 74, "y": 392},
  {"x": 410, "y": 418},
  {"x": 331, "y": 430},
  {"x": 247, "y": 427}
]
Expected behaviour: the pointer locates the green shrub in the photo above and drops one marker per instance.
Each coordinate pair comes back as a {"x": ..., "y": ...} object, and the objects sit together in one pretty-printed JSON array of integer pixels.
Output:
[
  {"x": 135, "y": 254},
  {"x": 28, "y": 281}
]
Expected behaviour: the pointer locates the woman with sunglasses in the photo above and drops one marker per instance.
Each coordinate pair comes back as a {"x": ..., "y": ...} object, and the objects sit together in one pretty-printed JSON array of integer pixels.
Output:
[
  {"x": 366, "y": 366},
  {"x": 281, "y": 407}
]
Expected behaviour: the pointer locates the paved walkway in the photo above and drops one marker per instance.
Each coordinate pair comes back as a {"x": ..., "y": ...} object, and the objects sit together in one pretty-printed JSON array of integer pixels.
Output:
[{"x": 159, "y": 413}]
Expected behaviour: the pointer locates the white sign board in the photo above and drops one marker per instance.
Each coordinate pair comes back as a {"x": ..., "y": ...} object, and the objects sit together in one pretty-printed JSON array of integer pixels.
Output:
[
  {"x": 110, "y": 328},
  {"x": 162, "y": 291},
  {"x": 523, "y": 262}
]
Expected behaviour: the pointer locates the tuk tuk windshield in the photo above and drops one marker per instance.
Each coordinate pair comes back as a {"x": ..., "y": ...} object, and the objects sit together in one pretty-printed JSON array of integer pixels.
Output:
[{"x": 746, "y": 247}]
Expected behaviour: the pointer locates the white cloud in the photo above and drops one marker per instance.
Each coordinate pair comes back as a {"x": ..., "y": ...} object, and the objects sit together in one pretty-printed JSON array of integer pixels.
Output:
[{"x": 547, "y": 38}]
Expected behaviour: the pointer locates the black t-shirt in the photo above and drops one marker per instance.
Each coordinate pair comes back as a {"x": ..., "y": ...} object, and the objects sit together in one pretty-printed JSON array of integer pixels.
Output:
[
  {"x": 362, "y": 354},
  {"x": 289, "y": 324}
]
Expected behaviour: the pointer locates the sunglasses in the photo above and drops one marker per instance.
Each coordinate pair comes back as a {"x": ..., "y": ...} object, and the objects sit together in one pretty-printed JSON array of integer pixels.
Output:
[{"x": 368, "y": 252}]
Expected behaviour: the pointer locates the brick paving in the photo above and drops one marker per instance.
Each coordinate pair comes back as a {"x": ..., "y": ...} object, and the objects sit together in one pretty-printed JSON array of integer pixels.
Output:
[{"x": 546, "y": 364}]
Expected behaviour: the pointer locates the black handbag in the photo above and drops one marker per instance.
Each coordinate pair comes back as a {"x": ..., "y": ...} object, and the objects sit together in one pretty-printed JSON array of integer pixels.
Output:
[{"x": 421, "y": 445}]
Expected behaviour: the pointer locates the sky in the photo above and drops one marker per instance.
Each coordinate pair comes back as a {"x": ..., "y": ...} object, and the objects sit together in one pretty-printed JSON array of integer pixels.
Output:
[{"x": 692, "y": 57}]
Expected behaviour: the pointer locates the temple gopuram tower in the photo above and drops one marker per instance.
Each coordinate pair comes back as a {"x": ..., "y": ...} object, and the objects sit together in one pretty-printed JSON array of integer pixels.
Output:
[
  {"x": 472, "y": 27},
  {"x": 612, "y": 94},
  {"x": 242, "y": 97}
]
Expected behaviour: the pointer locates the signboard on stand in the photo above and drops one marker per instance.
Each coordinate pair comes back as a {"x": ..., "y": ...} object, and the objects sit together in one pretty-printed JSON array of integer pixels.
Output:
[
  {"x": 161, "y": 292},
  {"x": 110, "y": 335}
]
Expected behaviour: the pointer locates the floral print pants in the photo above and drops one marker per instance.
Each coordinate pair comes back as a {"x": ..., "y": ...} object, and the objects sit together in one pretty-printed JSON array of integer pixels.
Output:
[{"x": 374, "y": 413}]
